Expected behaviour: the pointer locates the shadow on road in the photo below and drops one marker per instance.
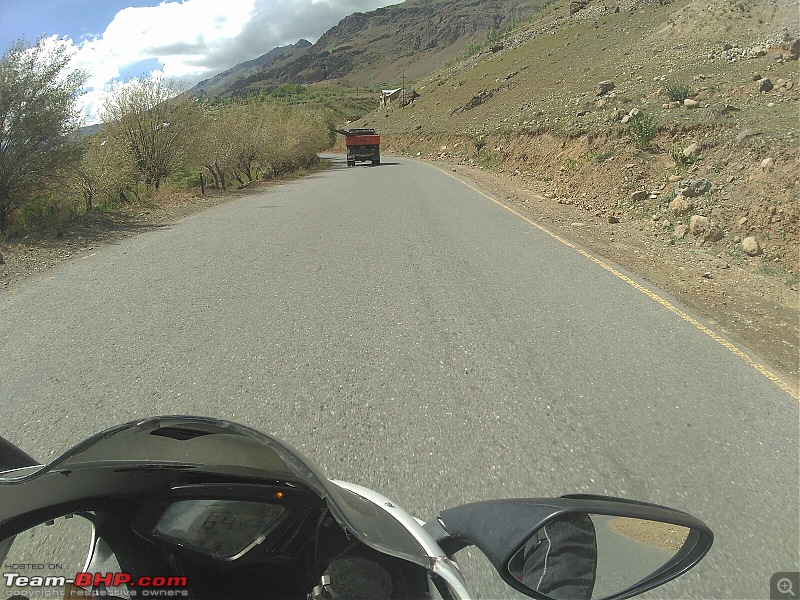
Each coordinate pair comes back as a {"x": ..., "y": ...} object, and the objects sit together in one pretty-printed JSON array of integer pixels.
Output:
[
  {"x": 97, "y": 226},
  {"x": 370, "y": 165},
  {"x": 338, "y": 162}
]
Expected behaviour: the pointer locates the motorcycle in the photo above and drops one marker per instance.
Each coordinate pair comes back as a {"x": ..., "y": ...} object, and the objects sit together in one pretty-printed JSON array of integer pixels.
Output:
[{"x": 196, "y": 507}]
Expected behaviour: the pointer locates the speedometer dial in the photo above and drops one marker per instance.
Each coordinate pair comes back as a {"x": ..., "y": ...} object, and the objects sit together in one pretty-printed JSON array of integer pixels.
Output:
[{"x": 221, "y": 528}]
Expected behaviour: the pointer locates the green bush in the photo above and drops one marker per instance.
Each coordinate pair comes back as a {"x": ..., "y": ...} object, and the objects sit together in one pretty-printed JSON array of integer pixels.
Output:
[
  {"x": 601, "y": 158},
  {"x": 185, "y": 179},
  {"x": 590, "y": 155},
  {"x": 642, "y": 129},
  {"x": 286, "y": 90},
  {"x": 41, "y": 212},
  {"x": 681, "y": 162},
  {"x": 677, "y": 92}
]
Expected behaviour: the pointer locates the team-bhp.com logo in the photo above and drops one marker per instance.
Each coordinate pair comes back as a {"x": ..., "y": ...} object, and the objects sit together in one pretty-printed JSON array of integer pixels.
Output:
[{"x": 93, "y": 584}]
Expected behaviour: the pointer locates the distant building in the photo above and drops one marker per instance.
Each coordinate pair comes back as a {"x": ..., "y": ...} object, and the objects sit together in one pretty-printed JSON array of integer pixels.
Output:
[{"x": 388, "y": 97}]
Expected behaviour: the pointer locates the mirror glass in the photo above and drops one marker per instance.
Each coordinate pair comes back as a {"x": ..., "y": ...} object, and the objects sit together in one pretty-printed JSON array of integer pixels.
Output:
[
  {"x": 588, "y": 557},
  {"x": 39, "y": 561}
]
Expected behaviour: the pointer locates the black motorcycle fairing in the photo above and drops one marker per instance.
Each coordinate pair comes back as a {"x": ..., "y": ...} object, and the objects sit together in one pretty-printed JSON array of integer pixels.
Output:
[
  {"x": 169, "y": 449},
  {"x": 123, "y": 502}
]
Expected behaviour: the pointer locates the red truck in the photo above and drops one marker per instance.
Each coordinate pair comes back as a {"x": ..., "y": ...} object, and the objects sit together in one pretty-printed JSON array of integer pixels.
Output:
[{"x": 362, "y": 145}]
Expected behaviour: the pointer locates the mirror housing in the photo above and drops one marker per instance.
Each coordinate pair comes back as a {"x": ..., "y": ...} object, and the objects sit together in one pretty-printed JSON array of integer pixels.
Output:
[
  {"x": 500, "y": 529},
  {"x": 13, "y": 457}
]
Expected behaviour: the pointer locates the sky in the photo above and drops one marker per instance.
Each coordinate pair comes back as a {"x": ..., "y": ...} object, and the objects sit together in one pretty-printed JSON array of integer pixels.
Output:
[{"x": 187, "y": 40}]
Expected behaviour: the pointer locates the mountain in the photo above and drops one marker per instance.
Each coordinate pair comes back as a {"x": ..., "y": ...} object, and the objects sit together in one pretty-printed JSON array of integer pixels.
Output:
[
  {"x": 411, "y": 39},
  {"x": 220, "y": 83}
]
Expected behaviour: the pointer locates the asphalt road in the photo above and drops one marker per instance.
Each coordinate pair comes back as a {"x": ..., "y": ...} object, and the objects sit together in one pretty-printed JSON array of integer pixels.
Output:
[{"x": 414, "y": 337}]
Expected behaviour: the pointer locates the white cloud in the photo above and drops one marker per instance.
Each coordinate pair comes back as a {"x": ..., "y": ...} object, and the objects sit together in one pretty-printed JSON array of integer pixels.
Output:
[
  {"x": 177, "y": 35},
  {"x": 195, "y": 39}
]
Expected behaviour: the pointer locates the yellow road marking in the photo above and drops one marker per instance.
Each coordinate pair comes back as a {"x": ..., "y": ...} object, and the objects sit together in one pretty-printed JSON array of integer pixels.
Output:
[{"x": 665, "y": 303}]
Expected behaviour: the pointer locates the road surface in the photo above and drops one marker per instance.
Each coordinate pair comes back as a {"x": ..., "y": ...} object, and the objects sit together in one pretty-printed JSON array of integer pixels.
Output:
[{"x": 413, "y": 336}]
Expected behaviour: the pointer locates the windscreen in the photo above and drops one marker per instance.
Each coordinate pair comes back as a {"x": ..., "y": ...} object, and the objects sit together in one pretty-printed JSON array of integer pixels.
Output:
[{"x": 224, "y": 447}]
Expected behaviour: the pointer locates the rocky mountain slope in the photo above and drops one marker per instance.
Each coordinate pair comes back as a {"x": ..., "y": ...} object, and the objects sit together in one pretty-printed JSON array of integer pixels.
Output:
[
  {"x": 377, "y": 48},
  {"x": 221, "y": 83}
]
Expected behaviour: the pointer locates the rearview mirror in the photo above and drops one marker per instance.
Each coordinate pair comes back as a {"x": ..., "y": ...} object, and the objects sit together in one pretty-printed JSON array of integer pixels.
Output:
[
  {"x": 582, "y": 556},
  {"x": 45, "y": 556},
  {"x": 581, "y": 546}
]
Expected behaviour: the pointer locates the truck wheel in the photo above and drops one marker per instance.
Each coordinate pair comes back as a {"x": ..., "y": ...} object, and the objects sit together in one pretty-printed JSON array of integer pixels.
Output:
[{"x": 376, "y": 159}]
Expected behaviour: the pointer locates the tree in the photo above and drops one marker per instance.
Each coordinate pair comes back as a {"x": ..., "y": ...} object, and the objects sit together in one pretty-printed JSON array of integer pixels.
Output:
[
  {"x": 244, "y": 141},
  {"x": 154, "y": 123},
  {"x": 38, "y": 118},
  {"x": 215, "y": 146},
  {"x": 237, "y": 141},
  {"x": 245, "y": 131},
  {"x": 105, "y": 175}
]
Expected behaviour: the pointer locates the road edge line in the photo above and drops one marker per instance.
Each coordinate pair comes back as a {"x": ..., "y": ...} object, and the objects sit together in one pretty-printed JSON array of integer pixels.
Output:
[{"x": 651, "y": 294}]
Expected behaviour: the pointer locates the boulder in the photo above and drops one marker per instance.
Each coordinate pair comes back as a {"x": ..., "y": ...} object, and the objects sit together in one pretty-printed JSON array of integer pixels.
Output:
[
  {"x": 604, "y": 87},
  {"x": 692, "y": 151},
  {"x": 765, "y": 85},
  {"x": 794, "y": 49},
  {"x": 747, "y": 133},
  {"x": 705, "y": 229},
  {"x": 714, "y": 233},
  {"x": 751, "y": 247},
  {"x": 699, "y": 225},
  {"x": 475, "y": 101},
  {"x": 577, "y": 5},
  {"x": 717, "y": 110},
  {"x": 698, "y": 187},
  {"x": 680, "y": 206}
]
